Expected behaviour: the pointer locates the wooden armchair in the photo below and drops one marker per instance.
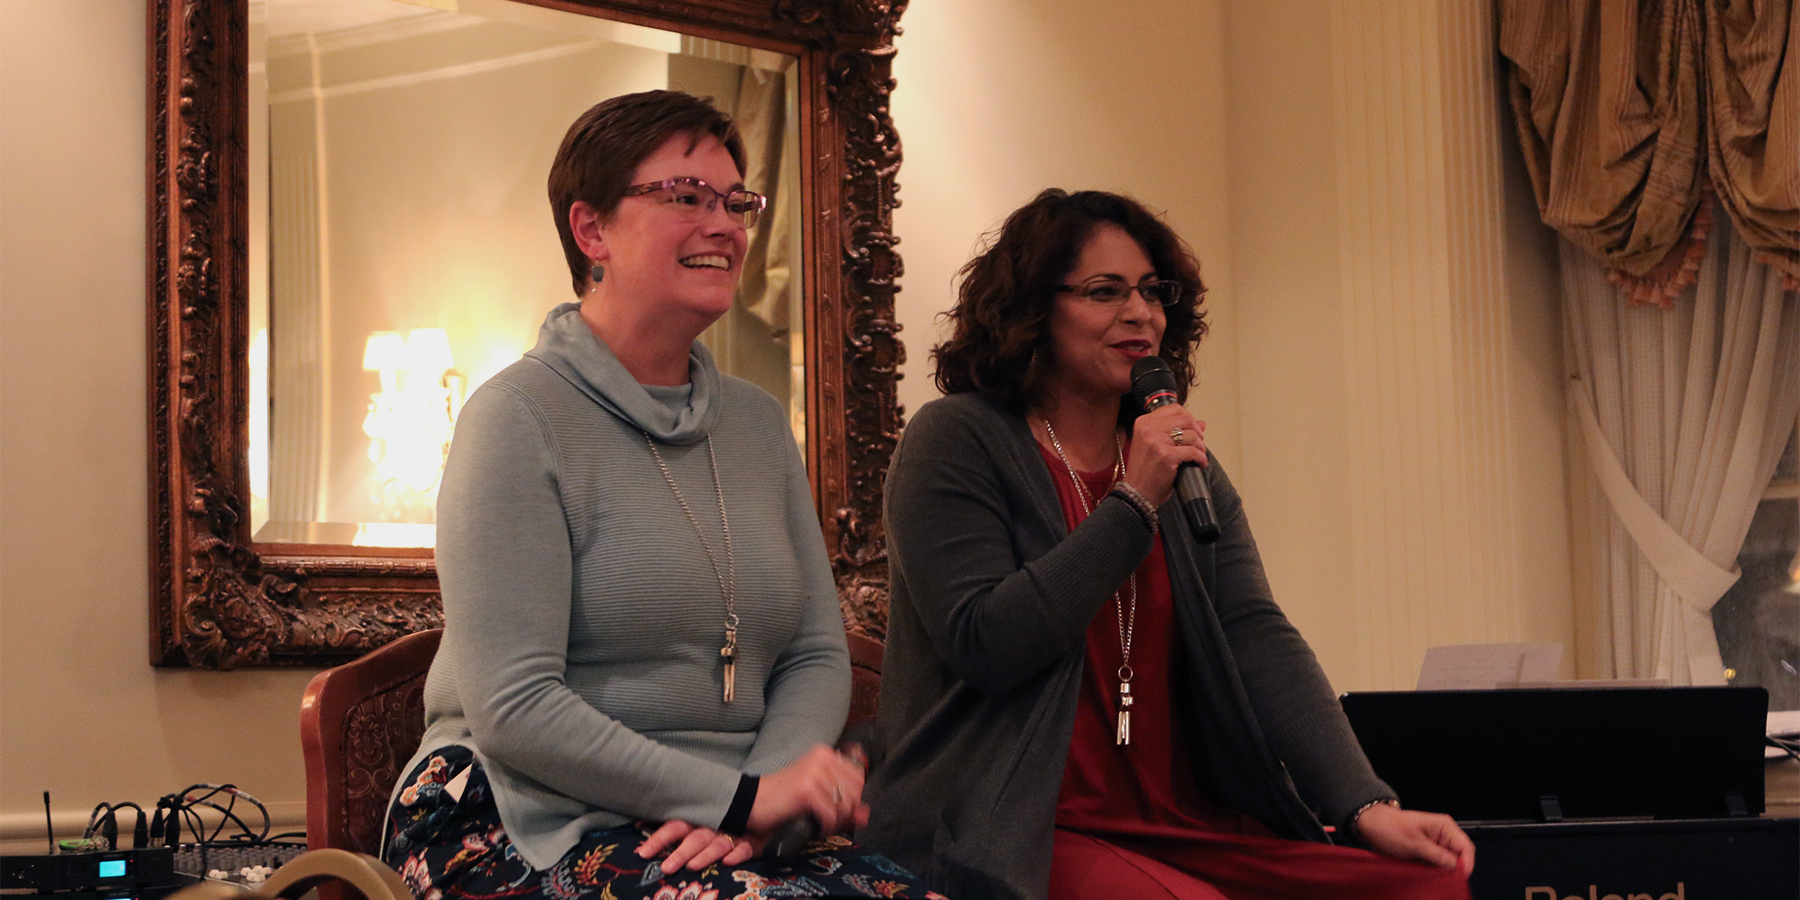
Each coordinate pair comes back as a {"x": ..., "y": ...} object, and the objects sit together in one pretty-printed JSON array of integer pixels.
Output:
[
  {"x": 865, "y": 678},
  {"x": 360, "y": 722}
]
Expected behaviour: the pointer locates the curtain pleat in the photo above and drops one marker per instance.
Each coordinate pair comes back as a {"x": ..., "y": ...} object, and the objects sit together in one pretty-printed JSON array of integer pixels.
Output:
[
  {"x": 761, "y": 116},
  {"x": 1630, "y": 111},
  {"x": 1753, "y": 108},
  {"x": 1683, "y": 414}
]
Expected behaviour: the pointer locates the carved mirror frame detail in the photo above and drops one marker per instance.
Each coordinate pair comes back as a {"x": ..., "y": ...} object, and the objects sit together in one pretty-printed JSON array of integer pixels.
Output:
[{"x": 221, "y": 601}]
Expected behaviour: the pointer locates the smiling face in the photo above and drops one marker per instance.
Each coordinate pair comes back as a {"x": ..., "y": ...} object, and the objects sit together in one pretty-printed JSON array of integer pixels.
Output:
[
  {"x": 1093, "y": 346},
  {"x": 663, "y": 261}
]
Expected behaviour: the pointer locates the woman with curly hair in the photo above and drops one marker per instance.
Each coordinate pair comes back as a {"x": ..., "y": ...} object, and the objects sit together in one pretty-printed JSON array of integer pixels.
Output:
[{"x": 1081, "y": 700}]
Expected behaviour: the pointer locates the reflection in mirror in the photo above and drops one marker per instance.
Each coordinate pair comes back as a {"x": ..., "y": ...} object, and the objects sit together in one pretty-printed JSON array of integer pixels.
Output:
[{"x": 401, "y": 247}]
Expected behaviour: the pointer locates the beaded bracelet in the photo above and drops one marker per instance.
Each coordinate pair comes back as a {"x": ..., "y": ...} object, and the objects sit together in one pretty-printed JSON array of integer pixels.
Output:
[
  {"x": 1350, "y": 823},
  {"x": 1140, "y": 503}
]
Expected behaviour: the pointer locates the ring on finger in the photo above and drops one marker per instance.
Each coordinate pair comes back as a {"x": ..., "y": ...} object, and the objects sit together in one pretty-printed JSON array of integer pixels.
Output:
[{"x": 1175, "y": 434}]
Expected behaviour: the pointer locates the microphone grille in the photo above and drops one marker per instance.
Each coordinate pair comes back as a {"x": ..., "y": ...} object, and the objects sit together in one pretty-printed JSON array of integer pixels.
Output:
[{"x": 1151, "y": 374}]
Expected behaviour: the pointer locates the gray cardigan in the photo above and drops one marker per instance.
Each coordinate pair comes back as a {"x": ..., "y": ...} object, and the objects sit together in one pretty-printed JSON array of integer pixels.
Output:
[
  {"x": 991, "y": 600},
  {"x": 582, "y": 620}
]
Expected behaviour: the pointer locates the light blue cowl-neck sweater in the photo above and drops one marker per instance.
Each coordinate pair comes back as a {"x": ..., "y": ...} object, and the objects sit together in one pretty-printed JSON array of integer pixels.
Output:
[{"x": 582, "y": 619}]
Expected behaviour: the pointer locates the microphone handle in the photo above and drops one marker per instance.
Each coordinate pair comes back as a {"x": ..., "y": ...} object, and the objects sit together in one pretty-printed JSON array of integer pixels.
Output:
[
  {"x": 1196, "y": 502},
  {"x": 792, "y": 837}
]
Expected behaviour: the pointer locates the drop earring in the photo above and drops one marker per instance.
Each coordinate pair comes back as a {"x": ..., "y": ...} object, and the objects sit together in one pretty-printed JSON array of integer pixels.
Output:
[{"x": 598, "y": 273}]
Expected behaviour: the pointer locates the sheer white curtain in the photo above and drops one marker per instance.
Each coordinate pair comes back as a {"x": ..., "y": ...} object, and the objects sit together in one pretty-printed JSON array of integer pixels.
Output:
[{"x": 1681, "y": 414}]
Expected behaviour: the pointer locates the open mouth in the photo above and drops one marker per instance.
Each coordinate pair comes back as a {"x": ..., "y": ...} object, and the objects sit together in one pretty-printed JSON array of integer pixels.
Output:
[{"x": 707, "y": 261}]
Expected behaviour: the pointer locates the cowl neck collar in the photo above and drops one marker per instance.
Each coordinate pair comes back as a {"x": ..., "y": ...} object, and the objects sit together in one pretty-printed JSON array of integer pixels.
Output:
[{"x": 571, "y": 349}]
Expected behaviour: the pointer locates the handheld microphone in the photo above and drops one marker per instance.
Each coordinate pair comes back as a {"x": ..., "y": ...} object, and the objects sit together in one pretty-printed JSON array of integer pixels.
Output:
[
  {"x": 1154, "y": 386},
  {"x": 792, "y": 837}
]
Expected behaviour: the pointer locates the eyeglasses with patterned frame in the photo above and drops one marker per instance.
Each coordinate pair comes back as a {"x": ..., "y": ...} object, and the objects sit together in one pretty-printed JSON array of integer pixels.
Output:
[
  {"x": 1113, "y": 291},
  {"x": 695, "y": 198}
]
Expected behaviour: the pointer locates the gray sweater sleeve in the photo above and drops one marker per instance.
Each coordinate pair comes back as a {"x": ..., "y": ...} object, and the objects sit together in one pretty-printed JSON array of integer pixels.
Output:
[
  {"x": 997, "y": 622},
  {"x": 504, "y": 561},
  {"x": 1293, "y": 700}
]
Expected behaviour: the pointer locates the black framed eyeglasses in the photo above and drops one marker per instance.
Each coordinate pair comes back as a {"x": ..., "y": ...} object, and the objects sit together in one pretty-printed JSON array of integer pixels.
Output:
[
  {"x": 695, "y": 198},
  {"x": 1113, "y": 291}
]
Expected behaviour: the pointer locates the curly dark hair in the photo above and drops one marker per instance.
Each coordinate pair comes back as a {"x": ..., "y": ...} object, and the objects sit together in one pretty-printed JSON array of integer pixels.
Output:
[
  {"x": 604, "y": 146},
  {"x": 1005, "y": 294}
]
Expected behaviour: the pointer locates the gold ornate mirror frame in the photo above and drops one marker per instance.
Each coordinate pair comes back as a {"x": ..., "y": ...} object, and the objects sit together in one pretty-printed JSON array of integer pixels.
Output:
[{"x": 220, "y": 600}]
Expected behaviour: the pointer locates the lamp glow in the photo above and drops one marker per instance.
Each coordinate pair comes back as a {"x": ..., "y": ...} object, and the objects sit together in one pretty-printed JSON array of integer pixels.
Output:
[
  {"x": 411, "y": 418},
  {"x": 384, "y": 350},
  {"x": 428, "y": 350}
]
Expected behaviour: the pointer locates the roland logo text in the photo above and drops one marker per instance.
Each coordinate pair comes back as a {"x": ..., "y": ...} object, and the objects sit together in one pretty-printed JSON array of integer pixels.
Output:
[{"x": 1593, "y": 893}]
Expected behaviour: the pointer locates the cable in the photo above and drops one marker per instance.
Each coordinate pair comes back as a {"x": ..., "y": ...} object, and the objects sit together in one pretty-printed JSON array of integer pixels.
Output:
[
  {"x": 215, "y": 845},
  {"x": 140, "y": 833},
  {"x": 189, "y": 800},
  {"x": 1787, "y": 745},
  {"x": 94, "y": 819},
  {"x": 231, "y": 841}
]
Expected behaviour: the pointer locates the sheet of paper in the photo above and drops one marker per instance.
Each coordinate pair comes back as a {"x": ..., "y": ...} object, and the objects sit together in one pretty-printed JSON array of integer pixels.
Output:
[{"x": 1463, "y": 667}]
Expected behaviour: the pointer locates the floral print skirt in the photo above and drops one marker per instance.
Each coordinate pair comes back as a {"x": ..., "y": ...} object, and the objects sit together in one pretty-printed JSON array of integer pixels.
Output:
[{"x": 455, "y": 848}]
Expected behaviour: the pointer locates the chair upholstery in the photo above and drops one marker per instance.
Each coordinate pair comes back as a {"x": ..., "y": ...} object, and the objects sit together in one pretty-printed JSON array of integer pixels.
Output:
[
  {"x": 865, "y": 678},
  {"x": 359, "y": 723}
]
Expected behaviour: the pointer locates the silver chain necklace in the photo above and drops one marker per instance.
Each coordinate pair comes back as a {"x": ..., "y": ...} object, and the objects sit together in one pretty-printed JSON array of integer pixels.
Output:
[
  {"x": 1124, "y": 611},
  {"x": 728, "y": 578}
]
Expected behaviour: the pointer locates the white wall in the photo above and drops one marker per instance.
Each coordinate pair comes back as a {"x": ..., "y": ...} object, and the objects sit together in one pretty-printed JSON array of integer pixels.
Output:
[
  {"x": 1395, "y": 341},
  {"x": 82, "y": 713},
  {"x": 1232, "y": 114}
]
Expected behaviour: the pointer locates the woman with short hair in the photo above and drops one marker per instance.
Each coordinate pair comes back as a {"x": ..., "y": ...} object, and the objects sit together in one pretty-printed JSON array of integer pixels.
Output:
[{"x": 643, "y": 664}]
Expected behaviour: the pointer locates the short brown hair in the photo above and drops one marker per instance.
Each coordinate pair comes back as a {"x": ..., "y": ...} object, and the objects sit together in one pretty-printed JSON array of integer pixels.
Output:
[
  {"x": 605, "y": 145},
  {"x": 1005, "y": 294}
]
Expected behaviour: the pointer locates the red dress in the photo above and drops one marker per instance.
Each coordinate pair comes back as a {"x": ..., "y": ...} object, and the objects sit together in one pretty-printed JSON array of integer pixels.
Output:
[{"x": 1132, "y": 822}]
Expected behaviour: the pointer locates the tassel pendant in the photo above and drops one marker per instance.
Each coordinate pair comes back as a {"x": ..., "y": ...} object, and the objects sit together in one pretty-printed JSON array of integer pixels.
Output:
[
  {"x": 728, "y": 653},
  {"x": 1123, "y": 736}
]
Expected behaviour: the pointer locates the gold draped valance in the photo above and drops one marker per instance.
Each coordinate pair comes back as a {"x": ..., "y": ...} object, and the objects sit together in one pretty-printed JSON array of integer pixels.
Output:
[{"x": 1632, "y": 112}]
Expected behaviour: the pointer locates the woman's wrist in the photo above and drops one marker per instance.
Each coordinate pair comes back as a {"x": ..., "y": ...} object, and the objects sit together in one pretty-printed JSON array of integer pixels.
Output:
[
  {"x": 1350, "y": 823},
  {"x": 737, "y": 817},
  {"x": 1145, "y": 509}
]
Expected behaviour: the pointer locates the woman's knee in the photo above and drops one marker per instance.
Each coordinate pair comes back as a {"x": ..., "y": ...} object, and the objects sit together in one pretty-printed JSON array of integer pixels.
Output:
[{"x": 1083, "y": 867}]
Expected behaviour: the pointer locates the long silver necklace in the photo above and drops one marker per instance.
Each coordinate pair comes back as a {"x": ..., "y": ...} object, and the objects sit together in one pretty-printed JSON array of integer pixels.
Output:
[
  {"x": 1124, "y": 611},
  {"x": 728, "y": 577}
]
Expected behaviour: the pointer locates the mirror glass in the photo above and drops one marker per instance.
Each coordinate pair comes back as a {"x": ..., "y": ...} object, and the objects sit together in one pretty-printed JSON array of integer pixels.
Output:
[{"x": 401, "y": 248}]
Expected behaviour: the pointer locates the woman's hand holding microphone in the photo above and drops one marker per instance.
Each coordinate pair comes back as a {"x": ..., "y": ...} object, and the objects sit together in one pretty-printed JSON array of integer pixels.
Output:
[
  {"x": 1161, "y": 441},
  {"x": 825, "y": 785}
]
